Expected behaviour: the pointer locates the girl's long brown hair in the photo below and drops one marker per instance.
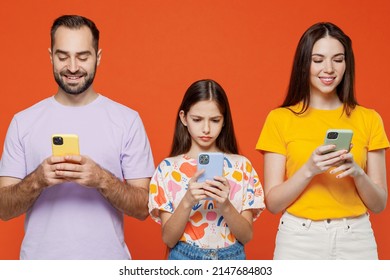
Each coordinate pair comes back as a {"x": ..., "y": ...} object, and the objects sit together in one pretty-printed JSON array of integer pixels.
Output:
[{"x": 199, "y": 91}]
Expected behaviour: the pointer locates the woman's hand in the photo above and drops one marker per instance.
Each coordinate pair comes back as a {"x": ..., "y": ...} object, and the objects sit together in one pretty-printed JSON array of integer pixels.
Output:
[
  {"x": 348, "y": 167},
  {"x": 323, "y": 158}
]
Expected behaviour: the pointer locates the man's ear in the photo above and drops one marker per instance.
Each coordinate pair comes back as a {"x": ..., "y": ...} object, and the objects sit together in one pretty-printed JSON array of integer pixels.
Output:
[
  {"x": 98, "y": 56},
  {"x": 51, "y": 55}
]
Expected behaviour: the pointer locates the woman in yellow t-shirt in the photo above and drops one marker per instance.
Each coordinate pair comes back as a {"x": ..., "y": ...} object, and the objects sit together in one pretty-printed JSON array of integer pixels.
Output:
[{"x": 324, "y": 194}]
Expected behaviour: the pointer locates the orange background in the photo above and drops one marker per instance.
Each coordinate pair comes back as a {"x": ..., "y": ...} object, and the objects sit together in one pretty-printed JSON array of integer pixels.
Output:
[{"x": 153, "y": 50}]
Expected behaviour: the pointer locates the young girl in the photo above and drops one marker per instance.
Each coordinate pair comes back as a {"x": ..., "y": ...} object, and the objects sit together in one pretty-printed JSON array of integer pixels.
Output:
[
  {"x": 324, "y": 194},
  {"x": 212, "y": 219}
]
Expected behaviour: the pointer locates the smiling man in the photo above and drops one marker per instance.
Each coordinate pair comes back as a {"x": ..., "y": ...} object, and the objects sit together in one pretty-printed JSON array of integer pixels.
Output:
[
  {"x": 75, "y": 55},
  {"x": 74, "y": 204}
]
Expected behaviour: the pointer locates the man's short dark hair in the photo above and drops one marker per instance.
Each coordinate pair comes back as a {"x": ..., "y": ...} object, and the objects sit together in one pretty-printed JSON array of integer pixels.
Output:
[{"x": 75, "y": 22}]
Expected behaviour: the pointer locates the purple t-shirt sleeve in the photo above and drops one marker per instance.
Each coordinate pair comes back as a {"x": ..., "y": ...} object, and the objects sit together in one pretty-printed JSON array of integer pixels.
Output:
[
  {"x": 13, "y": 160},
  {"x": 137, "y": 159}
]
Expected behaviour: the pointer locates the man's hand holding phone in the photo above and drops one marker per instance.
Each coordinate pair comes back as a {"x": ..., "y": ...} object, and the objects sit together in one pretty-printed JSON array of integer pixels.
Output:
[
  {"x": 81, "y": 170},
  {"x": 69, "y": 165}
]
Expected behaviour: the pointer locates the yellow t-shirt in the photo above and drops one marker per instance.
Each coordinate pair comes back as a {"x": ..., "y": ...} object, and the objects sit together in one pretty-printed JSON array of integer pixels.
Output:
[{"x": 297, "y": 136}]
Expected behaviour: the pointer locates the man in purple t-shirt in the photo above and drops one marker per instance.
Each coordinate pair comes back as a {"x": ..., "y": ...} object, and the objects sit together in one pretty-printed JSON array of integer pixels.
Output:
[{"x": 74, "y": 204}]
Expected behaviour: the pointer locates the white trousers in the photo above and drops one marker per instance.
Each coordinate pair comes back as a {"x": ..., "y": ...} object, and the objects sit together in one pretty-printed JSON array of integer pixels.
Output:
[{"x": 337, "y": 239}]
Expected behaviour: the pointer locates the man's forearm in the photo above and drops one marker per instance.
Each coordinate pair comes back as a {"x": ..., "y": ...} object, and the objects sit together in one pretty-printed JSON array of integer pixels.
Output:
[
  {"x": 16, "y": 199},
  {"x": 132, "y": 200}
]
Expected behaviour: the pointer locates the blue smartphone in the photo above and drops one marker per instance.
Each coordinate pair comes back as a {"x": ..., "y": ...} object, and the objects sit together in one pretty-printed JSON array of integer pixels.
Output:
[{"x": 212, "y": 163}]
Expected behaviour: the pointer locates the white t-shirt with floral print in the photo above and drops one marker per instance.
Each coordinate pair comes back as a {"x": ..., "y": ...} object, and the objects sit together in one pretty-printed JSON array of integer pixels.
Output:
[{"x": 206, "y": 227}]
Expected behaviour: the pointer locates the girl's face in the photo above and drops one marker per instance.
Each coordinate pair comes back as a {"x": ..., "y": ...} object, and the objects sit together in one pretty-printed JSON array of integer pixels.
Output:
[
  {"x": 204, "y": 122},
  {"x": 327, "y": 66}
]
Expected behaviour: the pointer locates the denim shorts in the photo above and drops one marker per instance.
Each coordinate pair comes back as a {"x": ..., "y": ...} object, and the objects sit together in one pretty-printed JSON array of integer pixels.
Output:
[{"x": 185, "y": 251}]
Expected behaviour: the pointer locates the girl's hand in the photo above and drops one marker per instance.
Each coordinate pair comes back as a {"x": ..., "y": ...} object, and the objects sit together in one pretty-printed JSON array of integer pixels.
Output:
[
  {"x": 348, "y": 167},
  {"x": 219, "y": 190},
  {"x": 195, "y": 191},
  {"x": 322, "y": 159}
]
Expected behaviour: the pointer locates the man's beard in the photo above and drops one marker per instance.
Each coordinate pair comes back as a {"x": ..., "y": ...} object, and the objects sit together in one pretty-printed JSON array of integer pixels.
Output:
[{"x": 75, "y": 90}]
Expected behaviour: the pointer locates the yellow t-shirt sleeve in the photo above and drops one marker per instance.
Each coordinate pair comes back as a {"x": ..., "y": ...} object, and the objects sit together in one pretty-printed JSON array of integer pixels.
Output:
[
  {"x": 377, "y": 139},
  {"x": 271, "y": 136}
]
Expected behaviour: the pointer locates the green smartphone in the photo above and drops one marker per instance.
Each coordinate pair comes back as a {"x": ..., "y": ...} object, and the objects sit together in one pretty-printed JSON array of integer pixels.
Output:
[{"x": 340, "y": 137}]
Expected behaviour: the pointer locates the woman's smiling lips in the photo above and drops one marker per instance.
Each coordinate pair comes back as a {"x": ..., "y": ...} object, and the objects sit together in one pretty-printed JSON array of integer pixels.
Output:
[{"x": 327, "y": 80}]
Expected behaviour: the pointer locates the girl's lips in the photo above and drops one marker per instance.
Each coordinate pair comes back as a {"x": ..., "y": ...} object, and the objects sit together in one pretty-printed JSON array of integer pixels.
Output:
[{"x": 205, "y": 138}]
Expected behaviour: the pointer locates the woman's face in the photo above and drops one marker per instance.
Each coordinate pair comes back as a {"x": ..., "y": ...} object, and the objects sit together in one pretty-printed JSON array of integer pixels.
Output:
[
  {"x": 327, "y": 66},
  {"x": 204, "y": 122}
]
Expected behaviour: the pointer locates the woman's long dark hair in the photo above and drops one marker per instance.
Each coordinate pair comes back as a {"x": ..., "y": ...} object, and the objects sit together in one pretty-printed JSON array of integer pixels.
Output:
[
  {"x": 200, "y": 91},
  {"x": 299, "y": 87}
]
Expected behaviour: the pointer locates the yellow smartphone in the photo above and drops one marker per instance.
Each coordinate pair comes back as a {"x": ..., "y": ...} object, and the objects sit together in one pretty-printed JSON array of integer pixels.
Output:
[{"x": 65, "y": 144}]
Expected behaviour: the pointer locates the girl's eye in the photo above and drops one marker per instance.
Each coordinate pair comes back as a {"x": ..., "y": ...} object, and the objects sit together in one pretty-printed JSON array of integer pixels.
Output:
[
  {"x": 196, "y": 120},
  {"x": 338, "y": 60},
  {"x": 317, "y": 61},
  {"x": 216, "y": 121}
]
